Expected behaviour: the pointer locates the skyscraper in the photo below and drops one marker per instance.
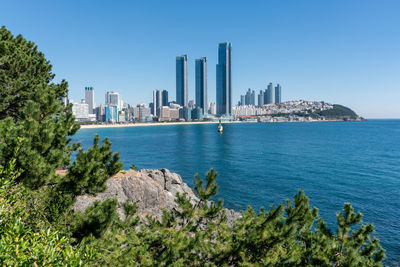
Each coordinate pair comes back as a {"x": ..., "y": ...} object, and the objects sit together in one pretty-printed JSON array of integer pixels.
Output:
[
  {"x": 165, "y": 98},
  {"x": 242, "y": 100},
  {"x": 224, "y": 79},
  {"x": 253, "y": 98},
  {"x": 247, "y": 100},
  {"x": 201, "y": 84},
  {"x": 181, "y": 80},
  {"x": 157, "y": 101},
  {"x": 261, "y": 98},
  {"x": 153, "y": 106},
  {"x": 278, "y": 92},
  {"x": 270, "y": 94},
  {"x": 113, "y": 98},
  {"x": 89, "y": 99}
]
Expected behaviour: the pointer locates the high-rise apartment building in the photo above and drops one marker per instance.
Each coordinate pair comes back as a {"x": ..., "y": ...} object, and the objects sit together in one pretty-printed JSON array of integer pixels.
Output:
[
  {"x": 157, "y": 102},
  {"x": 250, "y": 97},
  {"x": 242, "y": 100},
  {"x": 80, "y": 111},
  {"x": 114, "y": 98},
  {"x": 89, "y": 99},
  {"x": 165, "y": 98},
  {"x": 182, "y": 80},
  {"x": 153, "y": 105},
  {"x": 224, "y": 79},
  {"x": 278, "y": 92},
  {"x": 201, "y": 83},
  {"x": 261, "y": 98},
  {"x": 270, "y": 94}
]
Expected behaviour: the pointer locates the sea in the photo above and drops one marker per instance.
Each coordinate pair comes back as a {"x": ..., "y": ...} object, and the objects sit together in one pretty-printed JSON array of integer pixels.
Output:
[{"x": 263, "y": 164}]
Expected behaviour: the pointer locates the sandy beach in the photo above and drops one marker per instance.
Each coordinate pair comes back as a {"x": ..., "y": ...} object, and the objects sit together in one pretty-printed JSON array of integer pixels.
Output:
[{"x": 140, "y": 124}]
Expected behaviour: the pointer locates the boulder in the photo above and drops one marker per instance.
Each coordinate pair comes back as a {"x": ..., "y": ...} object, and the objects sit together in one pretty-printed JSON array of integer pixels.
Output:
[{"x": 151, "y": 190}]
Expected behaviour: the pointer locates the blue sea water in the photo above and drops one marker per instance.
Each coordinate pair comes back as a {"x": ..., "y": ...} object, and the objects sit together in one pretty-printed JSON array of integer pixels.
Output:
[{"x": 261, "y": 164}]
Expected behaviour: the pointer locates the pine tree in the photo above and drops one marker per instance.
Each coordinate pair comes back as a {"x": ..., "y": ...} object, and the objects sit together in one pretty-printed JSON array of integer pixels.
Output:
[{"x": 33, "y": 114}]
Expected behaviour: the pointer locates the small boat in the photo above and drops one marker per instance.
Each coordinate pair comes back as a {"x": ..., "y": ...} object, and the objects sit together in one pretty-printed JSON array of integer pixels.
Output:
[{"x": 220, "y": 128}]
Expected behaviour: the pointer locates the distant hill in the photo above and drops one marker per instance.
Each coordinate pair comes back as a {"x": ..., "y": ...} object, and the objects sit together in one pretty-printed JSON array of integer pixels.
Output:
[{"x": 339, "y": 112}]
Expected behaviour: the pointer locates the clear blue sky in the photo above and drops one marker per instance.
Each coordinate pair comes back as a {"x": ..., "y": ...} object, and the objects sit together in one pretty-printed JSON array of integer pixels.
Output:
[{"x": 338, "y": 51}]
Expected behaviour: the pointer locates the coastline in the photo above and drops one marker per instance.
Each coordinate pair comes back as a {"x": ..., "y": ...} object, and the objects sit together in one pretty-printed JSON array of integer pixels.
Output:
[
  {"x": 147, "y": 124},
  {"x": 143, "y": 124}
]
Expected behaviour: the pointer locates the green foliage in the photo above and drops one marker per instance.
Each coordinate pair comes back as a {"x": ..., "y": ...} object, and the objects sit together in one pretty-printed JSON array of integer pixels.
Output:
[
  {"x": 95, "y": 220},
  {"x": 197, "y": 234},
  {"x": 338, "y": 112},
  {"x": 26, "y": 238},
  {"x": 133, "y": 166},
  {"x": 31, "y": 108},
  {"x": 31, "y": 111}
]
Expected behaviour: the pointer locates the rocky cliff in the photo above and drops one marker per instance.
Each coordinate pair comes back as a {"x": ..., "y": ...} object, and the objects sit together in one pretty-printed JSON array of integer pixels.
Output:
[{"x": 151, "y": 190}]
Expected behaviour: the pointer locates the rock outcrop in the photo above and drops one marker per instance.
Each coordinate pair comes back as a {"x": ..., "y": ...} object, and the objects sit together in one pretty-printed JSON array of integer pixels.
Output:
[{"x": 151, "y": 190}]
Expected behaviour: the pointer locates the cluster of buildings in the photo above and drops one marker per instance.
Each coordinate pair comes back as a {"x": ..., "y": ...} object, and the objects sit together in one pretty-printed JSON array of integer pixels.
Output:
[
  {"x": 161, "y": 109},
  {"x": 289, "y": 107},
  {"x": 268, "y": 101},
  {"x": 269, "y": 96}
]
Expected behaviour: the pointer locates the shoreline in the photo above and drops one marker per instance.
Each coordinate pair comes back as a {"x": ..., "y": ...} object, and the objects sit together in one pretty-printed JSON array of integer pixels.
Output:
[
  {"x": 144, "y": 124},
  {"x": 147, "y": 124}
]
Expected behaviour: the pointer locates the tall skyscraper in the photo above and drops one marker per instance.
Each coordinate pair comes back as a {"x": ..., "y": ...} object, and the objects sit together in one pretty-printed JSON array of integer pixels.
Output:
[
  {"x": 114, "y": 98},
  {"x": 247, "y": 99},
  {"x": 278, "y": 92},
  {"x": 261, "y": 98},
  {"x": 201, "y": 84},
  {"x": 270, "y": 94},
  {"x": 157, "y": 101},
  {"x": 224, "y": 79},
  {"x": 242, "y": 100},
  {"x": 181, "y": 80},
  {"x": 165, "y": 98},
  {"x": 253, "y": 98},
  {"x": 89, "y": 99},
  {"x": 154, "y": 106}
]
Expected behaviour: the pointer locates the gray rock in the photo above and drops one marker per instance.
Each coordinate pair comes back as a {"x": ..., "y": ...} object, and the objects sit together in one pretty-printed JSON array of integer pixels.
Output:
[{"x": 151, "y": 190}]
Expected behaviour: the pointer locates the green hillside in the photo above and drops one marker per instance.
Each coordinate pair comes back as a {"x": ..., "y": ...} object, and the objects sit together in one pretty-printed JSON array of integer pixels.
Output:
[{"x": 339, "y": 112}]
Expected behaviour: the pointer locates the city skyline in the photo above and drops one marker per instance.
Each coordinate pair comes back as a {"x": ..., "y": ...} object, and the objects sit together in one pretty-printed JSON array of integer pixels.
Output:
[{"x": 331, "y": 51}]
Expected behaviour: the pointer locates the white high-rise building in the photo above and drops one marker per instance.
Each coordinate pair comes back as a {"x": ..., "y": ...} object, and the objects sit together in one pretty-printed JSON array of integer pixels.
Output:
[
  {"x": 80, "y": 111},
  {"x": 89, "y": 99},
  {"x": 114, "y": 98}
]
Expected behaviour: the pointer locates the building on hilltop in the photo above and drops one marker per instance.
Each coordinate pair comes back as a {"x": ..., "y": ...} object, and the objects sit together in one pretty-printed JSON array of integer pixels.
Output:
[
  {"x": 242, "y": 100},
  {"x": 182, "y": 80},
  {"x": 261, "y": 98},
  {"x": 270, "y": 94},
  {"x": 201, "y": 83},
  {"x": 253, "y": 98},
  {"x": 224, "y": 79},
  {"x": 278, "y": 94}
]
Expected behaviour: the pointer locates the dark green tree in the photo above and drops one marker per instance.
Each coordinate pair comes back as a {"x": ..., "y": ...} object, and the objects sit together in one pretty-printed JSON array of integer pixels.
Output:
[{"x": 32, "y": 113}]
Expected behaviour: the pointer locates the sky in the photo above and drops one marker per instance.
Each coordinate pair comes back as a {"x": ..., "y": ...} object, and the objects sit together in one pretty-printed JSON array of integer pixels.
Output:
[{"x": 344, "y": 52}]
